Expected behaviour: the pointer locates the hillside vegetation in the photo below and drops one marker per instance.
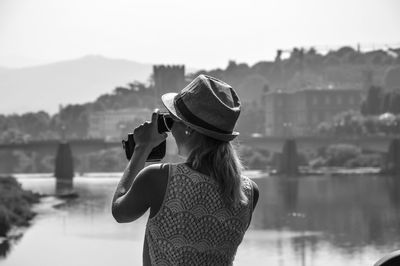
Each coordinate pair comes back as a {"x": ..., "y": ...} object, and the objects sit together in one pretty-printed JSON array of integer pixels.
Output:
[
  {"x": 15, "y": 205},
  {"x": 342, "y": 68}
]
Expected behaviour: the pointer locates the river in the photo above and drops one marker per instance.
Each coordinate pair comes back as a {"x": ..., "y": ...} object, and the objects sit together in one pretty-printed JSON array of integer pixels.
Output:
[{"x": 305, "y": 221}]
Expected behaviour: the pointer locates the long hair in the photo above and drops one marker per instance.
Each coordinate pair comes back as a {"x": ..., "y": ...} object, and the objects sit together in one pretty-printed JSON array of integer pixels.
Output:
[{"x": 220, "y": 160}]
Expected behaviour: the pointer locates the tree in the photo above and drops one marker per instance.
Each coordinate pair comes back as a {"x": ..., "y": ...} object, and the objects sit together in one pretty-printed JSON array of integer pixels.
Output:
[
  {"x": 121, "y": 91},
  {"x": 251, "y": 121},
  {"x": 11, "y": 135},
  {"x": 339, "y": 154},
  {"x": 394, "y": 105},
  {"x": 386, "y": 101},
  {"x": 34, "y": 123},
  {"x": 137, "y": 86},
  {"x": 343, "y": 51},
  {"x": 373, "y": 102},
  {"x": 75, "y": 118}
]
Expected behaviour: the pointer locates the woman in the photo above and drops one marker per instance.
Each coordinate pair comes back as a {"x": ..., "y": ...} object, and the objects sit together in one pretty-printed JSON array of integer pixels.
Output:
[{"x": 200, "y": 209}]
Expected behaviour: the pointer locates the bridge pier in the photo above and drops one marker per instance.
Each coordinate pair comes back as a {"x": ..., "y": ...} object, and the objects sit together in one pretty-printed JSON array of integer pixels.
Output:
[
  {"x": 391, "y": 166},
  {"x": 288, "y": 162},
  {"x": 64, "y": 169}
]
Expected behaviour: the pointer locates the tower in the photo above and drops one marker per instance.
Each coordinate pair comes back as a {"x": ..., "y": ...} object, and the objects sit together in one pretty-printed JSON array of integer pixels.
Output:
[{"x": 168, "y": 78}]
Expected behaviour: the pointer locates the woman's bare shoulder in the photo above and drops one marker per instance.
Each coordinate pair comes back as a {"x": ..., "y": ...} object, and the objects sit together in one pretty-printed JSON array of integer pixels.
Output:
[
  {"x": 155, "y": 174},
  {"x": 256, "y": 193}
]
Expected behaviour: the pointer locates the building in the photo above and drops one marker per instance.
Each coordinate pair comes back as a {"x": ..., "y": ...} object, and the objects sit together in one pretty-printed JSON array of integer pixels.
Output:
[
  {"x": 116, "y": 124},
  {"x": 300, "y": 112}
]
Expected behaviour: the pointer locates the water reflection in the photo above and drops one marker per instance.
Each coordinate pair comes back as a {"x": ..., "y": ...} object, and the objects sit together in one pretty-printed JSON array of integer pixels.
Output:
[
  {"x": 350, "y": 213},
  {"x": 393, "y": 188},
  {"x": 64, "y": 187}
]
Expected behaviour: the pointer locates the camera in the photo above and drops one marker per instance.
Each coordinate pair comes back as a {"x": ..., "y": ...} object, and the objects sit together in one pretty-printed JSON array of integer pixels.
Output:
[{"x": 164, "y": 124}]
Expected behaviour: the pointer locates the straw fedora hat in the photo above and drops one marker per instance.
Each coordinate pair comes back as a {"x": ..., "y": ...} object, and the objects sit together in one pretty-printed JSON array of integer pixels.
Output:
[{"x": 207, "y": 105}]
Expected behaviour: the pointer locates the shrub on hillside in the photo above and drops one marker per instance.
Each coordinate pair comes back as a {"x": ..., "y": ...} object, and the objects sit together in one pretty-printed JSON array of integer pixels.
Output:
[
  {"x": 317, "y": 162},
  {"x": 5, "y": 223},
  {"x": 254, "y": 159},
  {"x": 339, "y": 154},
  {"x": 107, "y": 160},
  {"x": 258, "y": 161},
  {"x": 365, "y": 160},
  {"x": 15, "y": 204}
]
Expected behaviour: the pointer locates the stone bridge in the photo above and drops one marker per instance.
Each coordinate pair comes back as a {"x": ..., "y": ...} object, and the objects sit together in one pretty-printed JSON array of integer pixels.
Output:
[{"x": 273, "y": 144}]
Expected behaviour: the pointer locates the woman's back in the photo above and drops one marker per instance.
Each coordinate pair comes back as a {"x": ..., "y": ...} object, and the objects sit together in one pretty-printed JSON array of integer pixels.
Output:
[{"x": 194, "y": 225}]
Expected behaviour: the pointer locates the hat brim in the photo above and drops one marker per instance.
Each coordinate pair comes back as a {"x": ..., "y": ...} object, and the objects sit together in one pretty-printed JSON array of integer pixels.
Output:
[{"x": 168, "y": 100}]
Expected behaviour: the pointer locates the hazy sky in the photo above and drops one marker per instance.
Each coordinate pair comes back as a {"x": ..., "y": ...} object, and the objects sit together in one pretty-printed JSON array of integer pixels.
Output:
[{"x": 201, "y": 34}]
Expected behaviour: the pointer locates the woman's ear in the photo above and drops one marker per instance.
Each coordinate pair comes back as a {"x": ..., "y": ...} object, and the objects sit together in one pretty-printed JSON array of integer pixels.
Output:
[{"x": 188, "y": 131}]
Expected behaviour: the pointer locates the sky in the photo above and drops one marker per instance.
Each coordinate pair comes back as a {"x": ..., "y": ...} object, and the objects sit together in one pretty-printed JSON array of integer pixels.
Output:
[{"x": 200, "y": 34}]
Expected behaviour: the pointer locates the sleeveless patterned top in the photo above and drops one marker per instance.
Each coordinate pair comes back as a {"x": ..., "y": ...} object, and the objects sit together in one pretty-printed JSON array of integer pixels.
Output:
[{"x": 193, "y": 225}]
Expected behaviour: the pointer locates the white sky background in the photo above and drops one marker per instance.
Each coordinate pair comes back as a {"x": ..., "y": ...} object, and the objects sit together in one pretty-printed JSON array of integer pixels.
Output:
[{"x": 200, "y": 34}]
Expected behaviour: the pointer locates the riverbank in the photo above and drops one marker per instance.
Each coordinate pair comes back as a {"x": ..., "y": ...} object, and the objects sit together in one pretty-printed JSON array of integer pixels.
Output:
[
  {"x": 15, "y": 204},
  {"x": 328, "y": 171}
]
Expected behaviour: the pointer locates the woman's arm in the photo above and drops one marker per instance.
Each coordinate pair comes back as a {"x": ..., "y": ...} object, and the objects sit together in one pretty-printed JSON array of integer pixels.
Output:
[
  {"x": 129, "y": 203},
  {"x": 133, "y": 194}
]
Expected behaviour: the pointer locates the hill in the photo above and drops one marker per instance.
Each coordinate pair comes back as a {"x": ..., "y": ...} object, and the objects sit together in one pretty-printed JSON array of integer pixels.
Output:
[{"x": 76, "y": 81}]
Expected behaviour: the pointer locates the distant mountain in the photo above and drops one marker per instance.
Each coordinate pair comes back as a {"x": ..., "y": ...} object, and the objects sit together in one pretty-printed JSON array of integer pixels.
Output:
[{"x": 68, "y": 82}]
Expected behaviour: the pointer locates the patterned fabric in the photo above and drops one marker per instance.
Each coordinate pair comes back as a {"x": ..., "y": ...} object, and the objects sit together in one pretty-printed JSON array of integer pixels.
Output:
[{"x": 193, "y": 225}]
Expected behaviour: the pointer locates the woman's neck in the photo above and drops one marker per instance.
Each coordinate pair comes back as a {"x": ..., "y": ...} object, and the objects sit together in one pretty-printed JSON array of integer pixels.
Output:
[{"x": 201, "y": 170}]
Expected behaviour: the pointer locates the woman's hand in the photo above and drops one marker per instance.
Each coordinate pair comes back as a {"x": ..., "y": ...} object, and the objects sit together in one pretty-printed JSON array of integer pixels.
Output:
[{"x": 146, "y": 135}]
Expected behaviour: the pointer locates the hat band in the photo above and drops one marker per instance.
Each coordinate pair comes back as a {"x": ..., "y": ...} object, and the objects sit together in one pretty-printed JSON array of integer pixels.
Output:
[{"x": 192, "y": 118}]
